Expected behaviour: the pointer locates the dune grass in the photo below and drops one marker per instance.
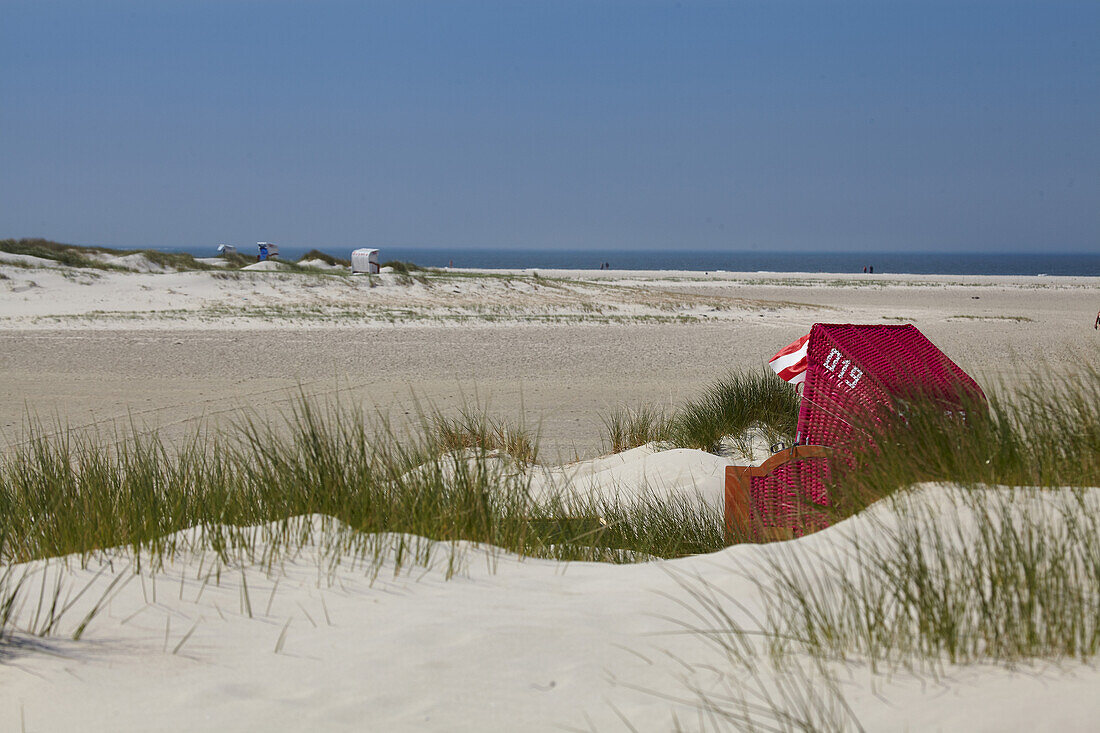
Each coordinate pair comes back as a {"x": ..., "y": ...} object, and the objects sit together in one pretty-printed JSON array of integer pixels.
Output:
[
  {"x": 475, "y": 429},
  {"x": 727, "y": 409},
  {"x": 65, "y": 254},
  {"x": 752, "y": 685},
  {"x": 732, "y": 405},
  {"x": 627, "y": 428},
  {"x": 73, "y": 255},
  {"x": 457, "y": 479},
  {"x": 81, "y": 256},
  {"x": 1002, "y": 575},
  {"x": 10, "y": 587}
]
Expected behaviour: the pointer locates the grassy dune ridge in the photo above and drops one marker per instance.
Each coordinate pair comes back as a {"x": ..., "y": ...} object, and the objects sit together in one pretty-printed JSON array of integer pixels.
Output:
[
  {"x": 70, "y": 492},
  {"x": 457, "y": 479},
  {"x": 90, "y": 257}
]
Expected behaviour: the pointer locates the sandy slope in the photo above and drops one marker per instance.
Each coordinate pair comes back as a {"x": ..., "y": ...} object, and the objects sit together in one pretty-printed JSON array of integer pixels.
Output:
[{"x": 506, "y": 644}]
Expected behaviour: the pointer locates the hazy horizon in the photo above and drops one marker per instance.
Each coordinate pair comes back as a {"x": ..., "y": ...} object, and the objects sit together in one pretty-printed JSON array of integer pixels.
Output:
[{"x": 699, "y": 126}]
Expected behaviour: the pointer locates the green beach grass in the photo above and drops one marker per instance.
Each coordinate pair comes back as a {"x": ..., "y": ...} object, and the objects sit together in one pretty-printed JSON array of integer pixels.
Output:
[
  {"x": 453, "y": 480},
  {"x": 728, "y": 409}
]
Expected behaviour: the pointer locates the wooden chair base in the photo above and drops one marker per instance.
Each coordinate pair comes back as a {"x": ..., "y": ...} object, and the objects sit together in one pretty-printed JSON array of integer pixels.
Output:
[{"x": 738, "y": 509}]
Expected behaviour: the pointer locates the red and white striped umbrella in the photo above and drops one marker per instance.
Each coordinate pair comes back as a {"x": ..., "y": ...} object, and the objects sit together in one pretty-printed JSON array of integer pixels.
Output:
[{"x": 790, "y": 362}]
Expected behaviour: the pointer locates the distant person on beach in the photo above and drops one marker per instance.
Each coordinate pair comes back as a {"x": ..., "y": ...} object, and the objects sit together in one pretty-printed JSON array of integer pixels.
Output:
[
  {"x": 1097, "y": 324},
  {"x": 865, "y": 268},
  {"x": 871, "y": 269}
]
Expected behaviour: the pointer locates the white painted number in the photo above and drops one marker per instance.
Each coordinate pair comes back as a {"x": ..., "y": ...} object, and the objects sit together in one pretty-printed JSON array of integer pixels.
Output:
[{"x": 836, "y": 359}]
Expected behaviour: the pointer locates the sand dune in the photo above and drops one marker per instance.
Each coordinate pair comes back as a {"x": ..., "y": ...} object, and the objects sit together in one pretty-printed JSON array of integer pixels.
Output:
[{"x": 335, "y": 642}]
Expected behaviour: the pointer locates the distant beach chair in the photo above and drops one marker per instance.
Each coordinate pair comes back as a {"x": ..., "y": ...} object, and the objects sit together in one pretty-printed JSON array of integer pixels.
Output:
[
  {"x": 853, "y": 372},
  {"x": 364, "y": 261}
]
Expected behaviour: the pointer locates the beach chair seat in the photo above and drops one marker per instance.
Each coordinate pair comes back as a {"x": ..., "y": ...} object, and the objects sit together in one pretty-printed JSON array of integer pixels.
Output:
[{"x": 781, "y": 498}]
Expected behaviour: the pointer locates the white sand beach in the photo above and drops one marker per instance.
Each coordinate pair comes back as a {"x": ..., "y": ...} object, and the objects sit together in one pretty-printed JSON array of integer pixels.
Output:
[
  {"x": 325, "y": 638},
  {"x": 328, "y": 641},
  {"x": 164, "y": 350}
]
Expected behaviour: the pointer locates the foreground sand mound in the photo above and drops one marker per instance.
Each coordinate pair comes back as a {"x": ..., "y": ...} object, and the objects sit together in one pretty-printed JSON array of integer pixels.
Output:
[{"x": 339, "y": 636}]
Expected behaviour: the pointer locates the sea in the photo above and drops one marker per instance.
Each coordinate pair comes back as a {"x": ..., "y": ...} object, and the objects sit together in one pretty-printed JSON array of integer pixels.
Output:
[{"x": 931, "y": 263}]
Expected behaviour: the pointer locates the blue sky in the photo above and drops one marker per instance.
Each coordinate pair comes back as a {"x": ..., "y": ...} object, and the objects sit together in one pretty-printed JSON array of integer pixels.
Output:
[{"x": 966, "y": 126}]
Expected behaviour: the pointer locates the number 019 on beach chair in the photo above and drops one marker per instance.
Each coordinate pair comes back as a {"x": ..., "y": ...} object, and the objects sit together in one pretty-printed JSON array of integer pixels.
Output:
[{"x": 850, "y": 376}]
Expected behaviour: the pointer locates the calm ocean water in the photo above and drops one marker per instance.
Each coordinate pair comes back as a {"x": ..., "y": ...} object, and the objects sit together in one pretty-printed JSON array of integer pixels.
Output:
[{"x": 941, "y": 263}]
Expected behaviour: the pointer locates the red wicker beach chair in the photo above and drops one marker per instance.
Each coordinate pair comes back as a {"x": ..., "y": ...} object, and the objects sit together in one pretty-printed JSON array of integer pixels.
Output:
[{"x": 853, "y": 373}]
